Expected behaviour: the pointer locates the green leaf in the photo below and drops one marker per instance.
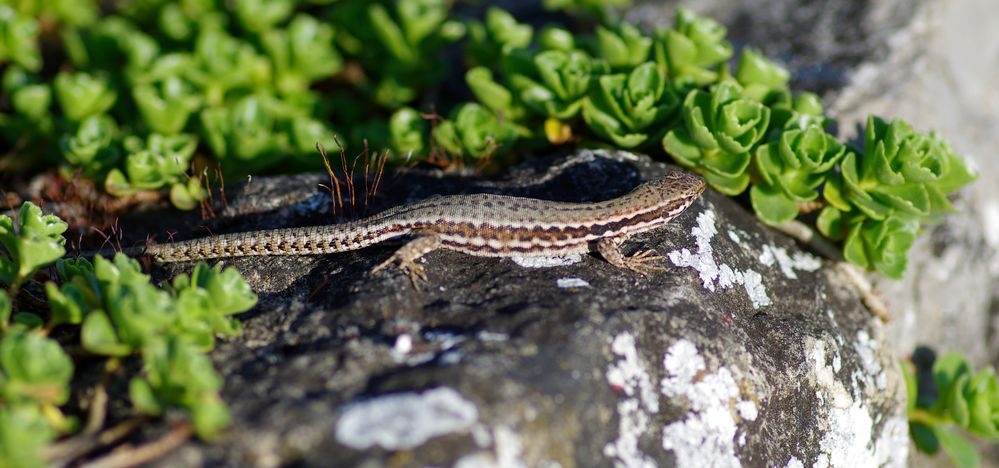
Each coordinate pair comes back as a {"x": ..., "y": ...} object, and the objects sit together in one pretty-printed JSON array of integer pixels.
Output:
[
  {"x": 143, "y": 398},
  {"x": 82, "y": 95},
  {"x": 23, "y": 433},
  {"x": 958, "y": 405},
  {"x": 490, "y": 93},
  {"x": 831, "y": 223},
  {"x": 65, "y": 303},
  {"x": 924, "y": 437},
  {"x": 474, "y": 131},
  {"x": 556, "y": 38},
  {"x": 692, "y": 50},
  {"x": 761, "y": 78},
  {"x": 34, "y": 368},
  {"x": 228, "y": 291},
  {"x": 166, "y": 106},
  {"x": 210, "y": 416},
  {"x": 408, "y": 131},
  {"x": 92, "y": 146},
  {"x": 772, "y": 205},
  {"x": 5, "y": 308},
  {"x": 19, "y": 39},
  {"x": 623, "y": 47},
  {"x": 99, "y": 337},
  {"x": 33, "y": 242},
  {"x": 960, "y": 451},
  {"x": 682, "y": 148},
  {"x": 262, "y": 15}
]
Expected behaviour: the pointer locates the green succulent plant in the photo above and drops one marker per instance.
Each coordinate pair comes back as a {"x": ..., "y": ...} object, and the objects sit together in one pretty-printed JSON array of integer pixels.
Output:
[
  {"x": 720, "y": 130},
  {"x": 19, "y": 39},
  {"x": 302, "y": 53},
  {"x": 790, "y": 170},
  {"x": 167, "y": 105},
  {"x": 762, "y": 79},
  {"x": 81, "y": 95},
  {"x": 407, "y": 131},
  {"x": 30, "y": 242},
  {"x": 121, "y": 313},
  {"x": 882, "y": 245},
  {"x": 623, "y": 47},
  {"x": 473, "y": 131},
  {"x": 692, "y": 50},
  {"x": 898, "y": 170},
  {"x": 93, "y": 148},
  {"x": 556, "y": 38},
  {"x": 631, "y": 110},
  {"x": 498, "y": 34},
  {"x": 953, "y": 397},
  {"x": 563, "y": 80}
]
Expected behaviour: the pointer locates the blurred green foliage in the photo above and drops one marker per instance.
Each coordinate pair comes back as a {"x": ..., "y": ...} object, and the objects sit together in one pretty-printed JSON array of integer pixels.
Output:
[
  {"x": 120, "y": 313},
  {"x": 947, "y": 399}
]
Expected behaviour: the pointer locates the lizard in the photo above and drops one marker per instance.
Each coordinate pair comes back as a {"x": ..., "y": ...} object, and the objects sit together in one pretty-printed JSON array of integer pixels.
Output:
[{"x": 480, "y": 224}]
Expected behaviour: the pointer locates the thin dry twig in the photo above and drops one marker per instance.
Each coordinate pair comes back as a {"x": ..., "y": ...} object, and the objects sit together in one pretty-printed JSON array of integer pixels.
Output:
[
  {"x": 145, "y": 453},
  {"x": 66, "y": 451}
]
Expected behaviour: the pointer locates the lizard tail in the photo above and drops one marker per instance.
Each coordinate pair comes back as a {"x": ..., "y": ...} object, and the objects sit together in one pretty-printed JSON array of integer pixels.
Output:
[{"x": 313, "y": 240}]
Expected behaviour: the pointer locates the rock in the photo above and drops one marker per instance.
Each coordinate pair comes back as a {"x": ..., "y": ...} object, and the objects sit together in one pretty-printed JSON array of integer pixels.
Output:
[
  {"x": 931, "y": 63},
  {"x": 744, "y": 350}
]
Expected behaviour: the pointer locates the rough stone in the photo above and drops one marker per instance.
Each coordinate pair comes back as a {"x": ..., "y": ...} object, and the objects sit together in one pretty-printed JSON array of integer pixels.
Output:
[
  {"x": 745, "y": 350},
  {"x": 931, "y": 63}
]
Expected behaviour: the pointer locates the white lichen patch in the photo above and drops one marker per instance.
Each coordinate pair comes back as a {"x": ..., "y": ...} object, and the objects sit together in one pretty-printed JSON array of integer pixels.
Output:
[
  {"x": 867, "y": 350},
  {"x": 707, "y": 437},
  {"x": 848, "y": 438},
  {"x": 712, "y": 273},
  {"x": 404, "y": 421},
  {"x": 572, "y": 282},
  {"x": 509, "y": 448},
  {"x": 629, "y": 375},
  {"x": 547, "y": 262},
  {"x": 990, "y": 220},
  {"x": 734, "y": 236},
  {"x": 787, "y": 263}
]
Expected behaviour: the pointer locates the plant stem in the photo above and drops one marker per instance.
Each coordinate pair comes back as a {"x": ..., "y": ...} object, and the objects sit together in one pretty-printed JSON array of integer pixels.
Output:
[{"x": 924, "y": 417}]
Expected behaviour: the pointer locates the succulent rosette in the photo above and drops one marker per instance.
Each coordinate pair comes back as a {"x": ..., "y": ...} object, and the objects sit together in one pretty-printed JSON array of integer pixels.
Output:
[
  {"x": 881, "y": 245},
  {"x": 474, "y": 131},
  {"x": 880, "y": 196},
  {"x": 692, "y": 50},
  {"x": 762, "y": 79},
  {"x": 623, "y": 47},
  {"x": 562, "y": 80},
  {"x": 899, "y": 170},
  {"x": 790, "y": 170},
  {"x": 720, "y": 130},
  {"x": 630, "y": 110}
]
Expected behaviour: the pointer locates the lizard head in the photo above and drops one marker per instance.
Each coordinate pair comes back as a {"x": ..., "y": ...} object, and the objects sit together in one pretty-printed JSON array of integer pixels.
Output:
[{"x": 677, "y": 190}]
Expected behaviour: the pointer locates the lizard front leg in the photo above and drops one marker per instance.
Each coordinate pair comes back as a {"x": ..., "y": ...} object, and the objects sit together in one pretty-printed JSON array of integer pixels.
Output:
[
  {"x": 610, "y": 249},
  {"x": 407, "y": 256}
]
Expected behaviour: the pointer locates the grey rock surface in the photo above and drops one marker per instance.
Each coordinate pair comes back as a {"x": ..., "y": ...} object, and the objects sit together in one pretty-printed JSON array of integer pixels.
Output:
[
  {"x": 744, "y": 350},
  {"x": 931, "y": 63}
]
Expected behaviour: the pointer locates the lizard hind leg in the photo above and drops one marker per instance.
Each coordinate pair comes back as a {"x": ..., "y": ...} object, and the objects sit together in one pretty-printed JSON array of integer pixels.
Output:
[
  {"x": 407, "y": 256},
  {"x": 641, "y": 262}
]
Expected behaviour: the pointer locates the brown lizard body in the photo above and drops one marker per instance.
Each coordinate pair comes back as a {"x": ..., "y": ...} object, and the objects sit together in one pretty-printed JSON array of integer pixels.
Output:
[{"x": 482, "y": 224}]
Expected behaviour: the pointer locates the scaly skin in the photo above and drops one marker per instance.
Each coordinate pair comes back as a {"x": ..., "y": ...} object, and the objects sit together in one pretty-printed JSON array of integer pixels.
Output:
[{"x": 483, "y": 225}]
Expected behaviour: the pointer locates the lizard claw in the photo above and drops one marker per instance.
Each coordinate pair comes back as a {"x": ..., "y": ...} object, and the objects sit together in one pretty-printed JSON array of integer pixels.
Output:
[
  {"x": 417, "y": 274},
  {"x": 641, "y": 262}
]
